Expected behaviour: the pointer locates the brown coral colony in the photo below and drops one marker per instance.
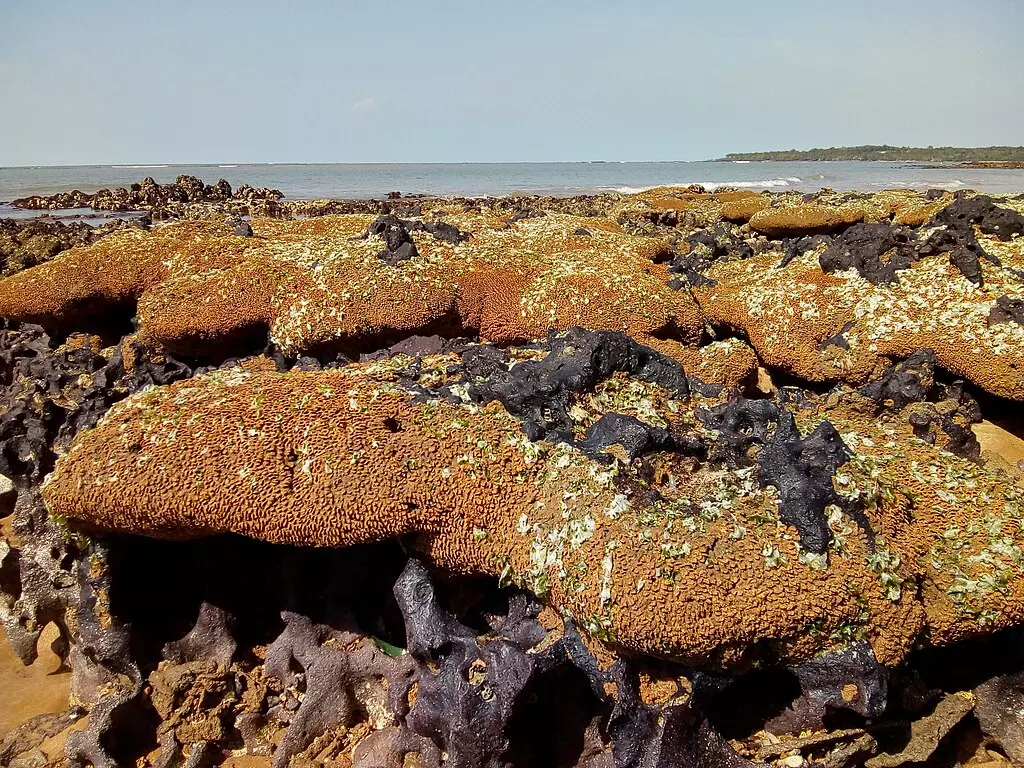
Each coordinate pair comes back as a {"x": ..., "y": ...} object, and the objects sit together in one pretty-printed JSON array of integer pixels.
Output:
[{"x": 712, "y": 431}]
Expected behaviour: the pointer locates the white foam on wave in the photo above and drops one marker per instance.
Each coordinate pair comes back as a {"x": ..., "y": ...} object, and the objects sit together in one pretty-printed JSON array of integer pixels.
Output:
[
  {"x": 626, "y": 190},
  {"x": 765, "y": 183},
  {"x": 227, "y": 166},
  {"x": 932, "y": 184},
  {"x": 138, "y": 166},
  {"x": 711, "y": 186}
]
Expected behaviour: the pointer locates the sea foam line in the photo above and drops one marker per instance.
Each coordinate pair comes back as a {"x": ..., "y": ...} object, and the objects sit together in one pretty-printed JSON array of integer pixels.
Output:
[{"x": 709, "y": 185}]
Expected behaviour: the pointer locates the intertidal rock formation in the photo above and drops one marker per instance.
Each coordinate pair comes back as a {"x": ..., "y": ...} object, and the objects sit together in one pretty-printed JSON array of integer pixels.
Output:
[
  {"x": 355, "y": 283},
  {"x": 26, "y": 243},
  {"x": 837, "y": 310},
  {"x": 213, "y": 646},
  {"x": 810, "y": 219},
  {"x": 50, "y": 392},
  {"x": 689, "y": 206},
  {"x": 792, "y": 215},
  {"x": 692, "y": 526},
  {"x": 624, "y": 563},
  {"x": 148, "y": 195}
]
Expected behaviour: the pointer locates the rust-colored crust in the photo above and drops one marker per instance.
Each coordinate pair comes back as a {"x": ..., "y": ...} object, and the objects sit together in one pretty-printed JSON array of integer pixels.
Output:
[
  {"x": 316, "y": 283},
  {"x": 790, "y": 313},
  {"x": 704, "y": 574}
]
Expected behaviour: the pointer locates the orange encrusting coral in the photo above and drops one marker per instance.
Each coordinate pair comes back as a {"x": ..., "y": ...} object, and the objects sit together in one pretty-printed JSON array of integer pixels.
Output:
[
  {"x": 741, "y": 210},
  {"x": 114, "y": 271},
  {"x": 807, "y": 219},
  {"x": 317, "y": 283},
  {"x": 705, "y": 573},
  {"x": 789, "y": 313},
  {"x": 731, "y": 363}
]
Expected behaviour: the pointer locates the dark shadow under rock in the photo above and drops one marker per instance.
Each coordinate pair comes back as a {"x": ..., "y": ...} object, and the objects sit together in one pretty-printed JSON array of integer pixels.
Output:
[
  {"x": 104, "y": 673},
  {"x": 209, "y": 640},
  {"x": 851, "y": 681},
  {"x": 670, "y": 736},
  {"x": 908, "y": 381}
]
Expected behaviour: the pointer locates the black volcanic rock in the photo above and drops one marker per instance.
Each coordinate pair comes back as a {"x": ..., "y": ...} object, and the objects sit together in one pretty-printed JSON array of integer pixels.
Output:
[{"x": 876, "y": 251}]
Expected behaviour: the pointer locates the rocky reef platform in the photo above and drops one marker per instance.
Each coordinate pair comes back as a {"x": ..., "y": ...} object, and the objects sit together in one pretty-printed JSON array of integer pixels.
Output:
[{"x": 674, "y": 478}]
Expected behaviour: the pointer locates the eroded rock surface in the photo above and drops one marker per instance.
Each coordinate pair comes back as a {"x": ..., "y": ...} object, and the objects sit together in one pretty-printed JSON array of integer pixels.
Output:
[
  {"x": 886, "y": 291},
  {"x": 321, "y": 284},
  {"x": 163, "y": 200},
  {"x": 617, "y": 560},
  {"x": 784, "y": 503}
]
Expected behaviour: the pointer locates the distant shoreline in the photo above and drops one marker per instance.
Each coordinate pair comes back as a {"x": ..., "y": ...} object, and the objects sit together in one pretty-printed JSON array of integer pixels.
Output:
[
  {"x": 944, "y": 157},
  {"x": 363, "y": 182},
  {"x": 928, "y": 165},
  {"x": 993, "y": 164}
]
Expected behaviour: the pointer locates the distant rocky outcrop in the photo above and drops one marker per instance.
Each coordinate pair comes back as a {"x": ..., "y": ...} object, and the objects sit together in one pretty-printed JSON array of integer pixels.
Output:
[{"x": 163, "y": 200}]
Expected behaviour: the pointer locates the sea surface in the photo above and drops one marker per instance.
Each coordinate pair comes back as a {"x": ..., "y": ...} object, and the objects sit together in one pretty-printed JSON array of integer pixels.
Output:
[{"x": 374, "y": 180}]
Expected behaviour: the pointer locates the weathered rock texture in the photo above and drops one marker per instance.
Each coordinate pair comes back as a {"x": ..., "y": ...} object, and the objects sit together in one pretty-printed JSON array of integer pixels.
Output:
[
  {"x": 164, "y": 200},
  {"x": 838, "y": 311},
  {"x": 26, "y": 243},
  {"x": 49, "y": 393},
  {"x": 751, "y": 521},
  {"x": 668, "y": 535},
  {"x": 324, "y": 283}
]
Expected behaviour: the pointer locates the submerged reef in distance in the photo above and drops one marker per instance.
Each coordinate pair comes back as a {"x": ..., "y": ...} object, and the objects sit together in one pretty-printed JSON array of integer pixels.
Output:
[{"x": 673, "y": 478}]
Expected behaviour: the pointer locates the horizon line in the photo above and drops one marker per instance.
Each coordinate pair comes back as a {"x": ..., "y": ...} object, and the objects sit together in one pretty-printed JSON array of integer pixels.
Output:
[
  {"x": 725, "y": 158},
  {"x": 142, "y": 166}
]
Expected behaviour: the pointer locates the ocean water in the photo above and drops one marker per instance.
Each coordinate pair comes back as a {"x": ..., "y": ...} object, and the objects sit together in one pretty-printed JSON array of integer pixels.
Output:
[{"x": 370, "y": 180}]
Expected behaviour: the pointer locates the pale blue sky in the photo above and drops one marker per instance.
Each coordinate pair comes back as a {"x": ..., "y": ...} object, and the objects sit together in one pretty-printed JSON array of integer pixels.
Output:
[{"x": 403, "y": 81}]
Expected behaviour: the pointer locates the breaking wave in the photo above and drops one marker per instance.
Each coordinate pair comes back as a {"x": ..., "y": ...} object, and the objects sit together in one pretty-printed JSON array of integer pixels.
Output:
[
  {"x": 710, "y": 185},
  {"x": 924, "y": 184},
  {"x": 767, "y": 183},
  {"x": 138, "y": 166}
]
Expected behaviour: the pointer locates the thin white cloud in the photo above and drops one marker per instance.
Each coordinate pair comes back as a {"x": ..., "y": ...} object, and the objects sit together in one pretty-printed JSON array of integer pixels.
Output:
[{"x": 364, "y": 105}]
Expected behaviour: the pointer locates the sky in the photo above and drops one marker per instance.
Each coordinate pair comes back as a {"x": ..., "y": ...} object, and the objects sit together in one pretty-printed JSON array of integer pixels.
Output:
[{"x": 532, "y": 80}]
